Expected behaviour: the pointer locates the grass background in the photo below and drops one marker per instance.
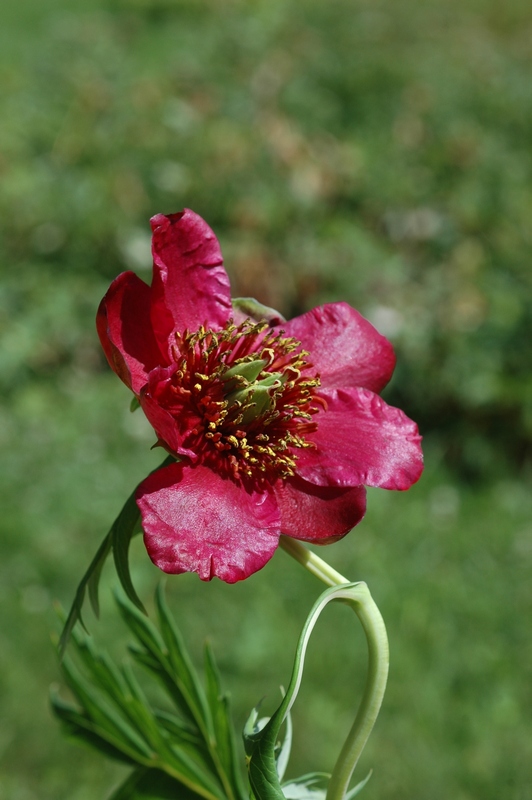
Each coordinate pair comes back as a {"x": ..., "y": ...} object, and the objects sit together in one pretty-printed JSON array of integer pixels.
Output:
[{"x": 376, "y": 152}]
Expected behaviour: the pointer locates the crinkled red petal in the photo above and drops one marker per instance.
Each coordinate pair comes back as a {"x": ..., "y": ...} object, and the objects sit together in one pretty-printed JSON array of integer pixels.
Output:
[
  {"x": 362, "y": 440},
  {"x": 195, "y": 521},
  {"x": 319, "y": 514},
  {"x": 124, "y": 327},
  {"x": 171, "y": 419},
  {"x": 190, "y": 287},
  {"x": 345, "y": 349}
]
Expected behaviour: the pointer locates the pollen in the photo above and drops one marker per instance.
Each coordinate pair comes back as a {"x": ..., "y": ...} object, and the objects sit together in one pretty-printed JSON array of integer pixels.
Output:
[{"x": 247, "y": 396}]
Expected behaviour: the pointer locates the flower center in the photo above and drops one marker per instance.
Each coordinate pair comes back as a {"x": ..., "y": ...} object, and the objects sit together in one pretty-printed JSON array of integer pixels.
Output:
[{"x": 248, "y": 396}]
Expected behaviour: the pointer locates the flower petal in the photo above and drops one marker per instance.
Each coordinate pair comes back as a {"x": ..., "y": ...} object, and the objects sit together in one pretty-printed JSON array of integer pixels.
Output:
[
  {"x": 319, "y": 514},
  {"x": 172, "y": 419},
  {"x": 190, "y": 287},
  {"x": 196, "y": 521},
  {"x": 345, "y": 349},
  {"x": 124, "y": 327},
  {"x": 362, "y": 440}
]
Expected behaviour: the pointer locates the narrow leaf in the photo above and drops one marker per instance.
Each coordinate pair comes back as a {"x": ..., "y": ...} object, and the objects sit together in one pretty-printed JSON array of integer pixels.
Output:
[
  {"x": 125, "y": 527},
  {"x": 358, "y": 788},
  {"x": 152, "y": 784},
  {"x": 95, "y": 568},
  {"x": 223, "y": 727},
  {"x": 182, "y": 666},
  {"x": 77, "y": 725},
  {"x": 307, "y": 787},
  {"x": 283, "y": 756},
  {"x": 118, "y": 539},
  {"x": 156, "y": 657}
]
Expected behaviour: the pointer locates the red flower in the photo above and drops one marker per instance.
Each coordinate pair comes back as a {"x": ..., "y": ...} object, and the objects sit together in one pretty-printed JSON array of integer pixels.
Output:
[{"x": 275, "y": 426}]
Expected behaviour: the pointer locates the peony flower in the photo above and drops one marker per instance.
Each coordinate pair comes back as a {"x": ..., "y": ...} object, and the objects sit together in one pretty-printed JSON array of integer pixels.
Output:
[{"x": 275, "y": 426}]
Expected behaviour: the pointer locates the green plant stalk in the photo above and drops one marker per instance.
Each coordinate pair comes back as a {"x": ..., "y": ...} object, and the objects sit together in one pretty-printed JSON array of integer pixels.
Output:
[{"x": 378, "y": 663}]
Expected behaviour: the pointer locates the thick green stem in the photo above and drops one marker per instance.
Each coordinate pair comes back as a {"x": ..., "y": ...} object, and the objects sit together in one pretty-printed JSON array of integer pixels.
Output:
[
  {"x": 378, "y": 662},
  {"x": 312, "y": 562}
]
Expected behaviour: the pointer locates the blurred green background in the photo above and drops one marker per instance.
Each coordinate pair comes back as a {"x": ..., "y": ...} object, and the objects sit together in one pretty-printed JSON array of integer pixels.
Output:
[{"x": 374, "y": 151}]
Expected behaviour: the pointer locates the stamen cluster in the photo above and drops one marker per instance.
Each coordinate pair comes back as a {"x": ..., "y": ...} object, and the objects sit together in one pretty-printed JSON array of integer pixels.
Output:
[{"x": 250, "y": 395}]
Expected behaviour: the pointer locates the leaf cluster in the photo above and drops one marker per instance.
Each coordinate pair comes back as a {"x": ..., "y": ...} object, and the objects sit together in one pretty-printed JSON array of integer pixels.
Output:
[{"x": 184, "y": 750}]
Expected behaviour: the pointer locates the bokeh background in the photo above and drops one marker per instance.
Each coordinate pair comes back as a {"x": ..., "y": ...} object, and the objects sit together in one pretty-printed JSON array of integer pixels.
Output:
[{"x": 374, "y": 151}]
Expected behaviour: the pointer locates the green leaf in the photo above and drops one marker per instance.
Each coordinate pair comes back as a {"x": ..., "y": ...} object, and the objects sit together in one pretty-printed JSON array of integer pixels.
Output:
[
  {"x": 282, "y": 756},
  {"x": 152, "y": 784},
  {"x": 185, "y": 675},
  {"x": 77, "y": 725},
  {"x": 103, "y": 670},
  {"x": 307, "y": 787},
  {"x": 118, "y": 540},
  {"x": 153, "y": 655},
  {"x": 117, "y": 719},
  {"x": 178, "y": 730},
  {"x": 358, "y": 788},
  {"x": 135, "y": 403},
  {"x": 95, "y": 568},
  {"x": 106, "y": 719},
  {"x": 224, "y": 737},
  {"x": 124, "y": 528}
]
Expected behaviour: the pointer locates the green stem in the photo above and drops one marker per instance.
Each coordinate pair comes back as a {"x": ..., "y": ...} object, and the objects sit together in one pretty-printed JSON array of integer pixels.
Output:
[
  {"x": 378, "y": 662},
  {"x": 312, "y": 562}
]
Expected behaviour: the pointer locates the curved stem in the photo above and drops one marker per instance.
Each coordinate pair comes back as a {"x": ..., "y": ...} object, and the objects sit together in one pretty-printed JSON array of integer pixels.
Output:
[{"x": 378, "y": 663}]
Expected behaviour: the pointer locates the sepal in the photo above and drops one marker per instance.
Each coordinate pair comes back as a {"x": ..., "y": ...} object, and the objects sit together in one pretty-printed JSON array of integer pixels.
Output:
[{"x": 249, "y": 308}]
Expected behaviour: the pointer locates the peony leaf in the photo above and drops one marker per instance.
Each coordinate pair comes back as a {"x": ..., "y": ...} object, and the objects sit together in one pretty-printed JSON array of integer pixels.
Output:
[
  {"x": 102, "y": 718},
  {"x": 118, "y": 540},
  {"x": 152, "y": 784},
  {"x": 124, "y": 528},
  {"x": 307, "y": 787},
  {"x": 282, "y": 756},
  {"x": 358, "y": 788},
  {"x": 205, "y": 726},
  {"x": 223, "y": 728},
  {"x": 181, "y": 667},
  {"x": 74, "y": 615},
  {"x": 76, "y": 724},
  {"x": 115, "y": 717}
]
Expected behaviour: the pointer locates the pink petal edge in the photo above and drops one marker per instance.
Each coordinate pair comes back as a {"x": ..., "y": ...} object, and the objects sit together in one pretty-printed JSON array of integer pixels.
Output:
[
  {"x": 190, "y": 287},
  {"x": 195, "y": 521},
  {"x": 318, "y": 514},
  {"x": 124, "y": 327},
  {"x": 362, "y": 440},
  {"x": 345, "y": 349}
]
